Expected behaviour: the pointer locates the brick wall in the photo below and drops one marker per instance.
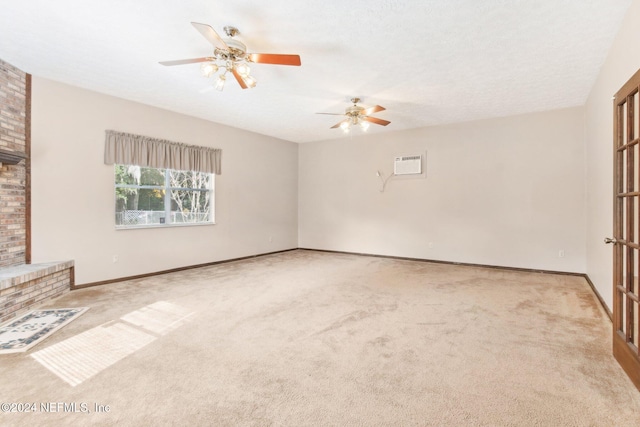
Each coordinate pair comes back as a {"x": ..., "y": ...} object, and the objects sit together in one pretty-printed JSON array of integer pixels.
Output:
[
  {"x": 30, "y": 285},
  {"x": 22, "y": 285},
  {"x": 13, "y": 131}
]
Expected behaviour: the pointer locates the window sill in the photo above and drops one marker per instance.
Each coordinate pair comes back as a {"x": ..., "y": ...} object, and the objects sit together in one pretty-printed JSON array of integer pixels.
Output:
[{"x": 143, "y": 227}]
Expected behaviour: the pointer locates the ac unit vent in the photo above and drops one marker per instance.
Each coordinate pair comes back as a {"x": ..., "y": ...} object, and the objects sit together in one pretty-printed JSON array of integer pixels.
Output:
[{"x": 407, "y": 165}]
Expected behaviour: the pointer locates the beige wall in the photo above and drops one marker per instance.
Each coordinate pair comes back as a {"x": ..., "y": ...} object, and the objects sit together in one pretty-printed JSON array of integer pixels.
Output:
[
  {"x": 622, "y": 62},
  {"x": 72, "y": 190},
  {"x": 505, "y": 192}
]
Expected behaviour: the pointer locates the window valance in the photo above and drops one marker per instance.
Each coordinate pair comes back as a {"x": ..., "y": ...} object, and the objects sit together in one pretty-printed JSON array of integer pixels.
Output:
[{"x": 129, "y": 149}]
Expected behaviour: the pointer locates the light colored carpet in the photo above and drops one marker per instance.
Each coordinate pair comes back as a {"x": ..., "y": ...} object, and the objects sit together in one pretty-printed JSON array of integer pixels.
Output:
[{"x": 307, "y": 338}]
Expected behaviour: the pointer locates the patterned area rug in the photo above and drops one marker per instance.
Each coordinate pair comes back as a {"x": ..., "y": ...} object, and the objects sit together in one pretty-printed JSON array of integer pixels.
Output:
[{"x": 31, "y": 329}]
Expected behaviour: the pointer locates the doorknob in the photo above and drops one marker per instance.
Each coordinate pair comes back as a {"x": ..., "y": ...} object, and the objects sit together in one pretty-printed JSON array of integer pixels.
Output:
[{"x": 608, "y": 240}]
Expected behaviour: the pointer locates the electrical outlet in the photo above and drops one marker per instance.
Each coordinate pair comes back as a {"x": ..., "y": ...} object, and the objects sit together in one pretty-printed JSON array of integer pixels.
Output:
[
  {"x": 115, "y": 258},
  {"x": 561, "y": 253}
]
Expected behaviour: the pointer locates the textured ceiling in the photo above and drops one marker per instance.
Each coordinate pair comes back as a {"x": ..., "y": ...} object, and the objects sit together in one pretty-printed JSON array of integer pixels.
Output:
[{"x": 428, "y": 62}]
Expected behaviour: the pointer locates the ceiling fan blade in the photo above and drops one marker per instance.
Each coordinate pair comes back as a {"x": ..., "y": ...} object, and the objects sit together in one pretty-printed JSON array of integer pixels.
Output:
[
  {"x": 338, "y": 124},
  {"x": 333, "y": 114},
  {"x": 211, "y": 35},
  {"x": 239, "y": 78},
  {"x": 374, "y": 120},
  {"x": 274, "y": 58},
  {"x": 372, "y": 110},
  {"x": 186, "y": 61}
]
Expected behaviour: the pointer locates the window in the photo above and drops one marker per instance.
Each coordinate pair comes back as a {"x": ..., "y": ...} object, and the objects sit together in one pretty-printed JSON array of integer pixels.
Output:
[{"x": 150, "y": 197}]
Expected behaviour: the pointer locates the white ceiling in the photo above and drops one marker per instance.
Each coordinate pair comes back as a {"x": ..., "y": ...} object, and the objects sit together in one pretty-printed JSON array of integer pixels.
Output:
[{"x": 428, "y": 62}]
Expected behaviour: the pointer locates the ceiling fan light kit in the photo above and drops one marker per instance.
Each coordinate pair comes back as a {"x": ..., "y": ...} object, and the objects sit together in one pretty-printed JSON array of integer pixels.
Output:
[{"x": 231, "y": 56}]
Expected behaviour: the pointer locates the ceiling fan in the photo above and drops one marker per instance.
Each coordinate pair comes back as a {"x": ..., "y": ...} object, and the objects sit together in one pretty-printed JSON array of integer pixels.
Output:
[
  {"x": 357, "y": 115},
  {"x": 231, "y": 55}
]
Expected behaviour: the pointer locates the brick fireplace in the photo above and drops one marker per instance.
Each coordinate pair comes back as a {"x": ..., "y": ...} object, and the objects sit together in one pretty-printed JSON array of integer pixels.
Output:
[{"x": 22, "y": 284}]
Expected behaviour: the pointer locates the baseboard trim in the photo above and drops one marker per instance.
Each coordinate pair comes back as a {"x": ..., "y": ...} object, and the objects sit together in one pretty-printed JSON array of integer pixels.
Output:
[
  {"x": 595, "y": 291},
  {"x": 173, "y": 270},
  {"x": 464, "y": 264}
]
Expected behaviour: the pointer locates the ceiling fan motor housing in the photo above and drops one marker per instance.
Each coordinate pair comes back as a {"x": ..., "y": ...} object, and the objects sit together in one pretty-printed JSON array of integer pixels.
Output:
[
  {"x": 236, "y": 48},
  {"x": 353, "y": 111}
]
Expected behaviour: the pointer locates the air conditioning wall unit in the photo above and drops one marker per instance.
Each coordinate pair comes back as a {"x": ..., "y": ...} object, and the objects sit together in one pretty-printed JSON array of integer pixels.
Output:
[{"x": 407, "y": 165}]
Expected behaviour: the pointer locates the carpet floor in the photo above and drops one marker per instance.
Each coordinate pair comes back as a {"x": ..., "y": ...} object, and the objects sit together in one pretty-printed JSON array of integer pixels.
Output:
[{"x": 305, "y": 338}]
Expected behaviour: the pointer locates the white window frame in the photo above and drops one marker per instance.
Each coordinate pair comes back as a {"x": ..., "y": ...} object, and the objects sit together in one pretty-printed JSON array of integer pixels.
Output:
[{"x": 167, "y": 201}]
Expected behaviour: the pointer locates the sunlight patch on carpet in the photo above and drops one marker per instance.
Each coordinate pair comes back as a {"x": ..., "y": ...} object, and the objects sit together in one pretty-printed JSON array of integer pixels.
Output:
[
  {"x": 161, "y": 317},
  {"x": 34, "y": 327},
  {"x": 81, "y": 357}
]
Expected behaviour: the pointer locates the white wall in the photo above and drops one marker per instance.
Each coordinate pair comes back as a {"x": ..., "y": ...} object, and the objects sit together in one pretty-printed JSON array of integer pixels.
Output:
[
  {"x": 504, "y": 192},
  {"x": 622, "y": 62},
  {"x": 73, "y": 190}
]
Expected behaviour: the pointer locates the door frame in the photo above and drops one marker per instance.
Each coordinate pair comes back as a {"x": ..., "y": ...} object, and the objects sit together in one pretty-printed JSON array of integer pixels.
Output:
[{"x": 626, "y": 224}]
